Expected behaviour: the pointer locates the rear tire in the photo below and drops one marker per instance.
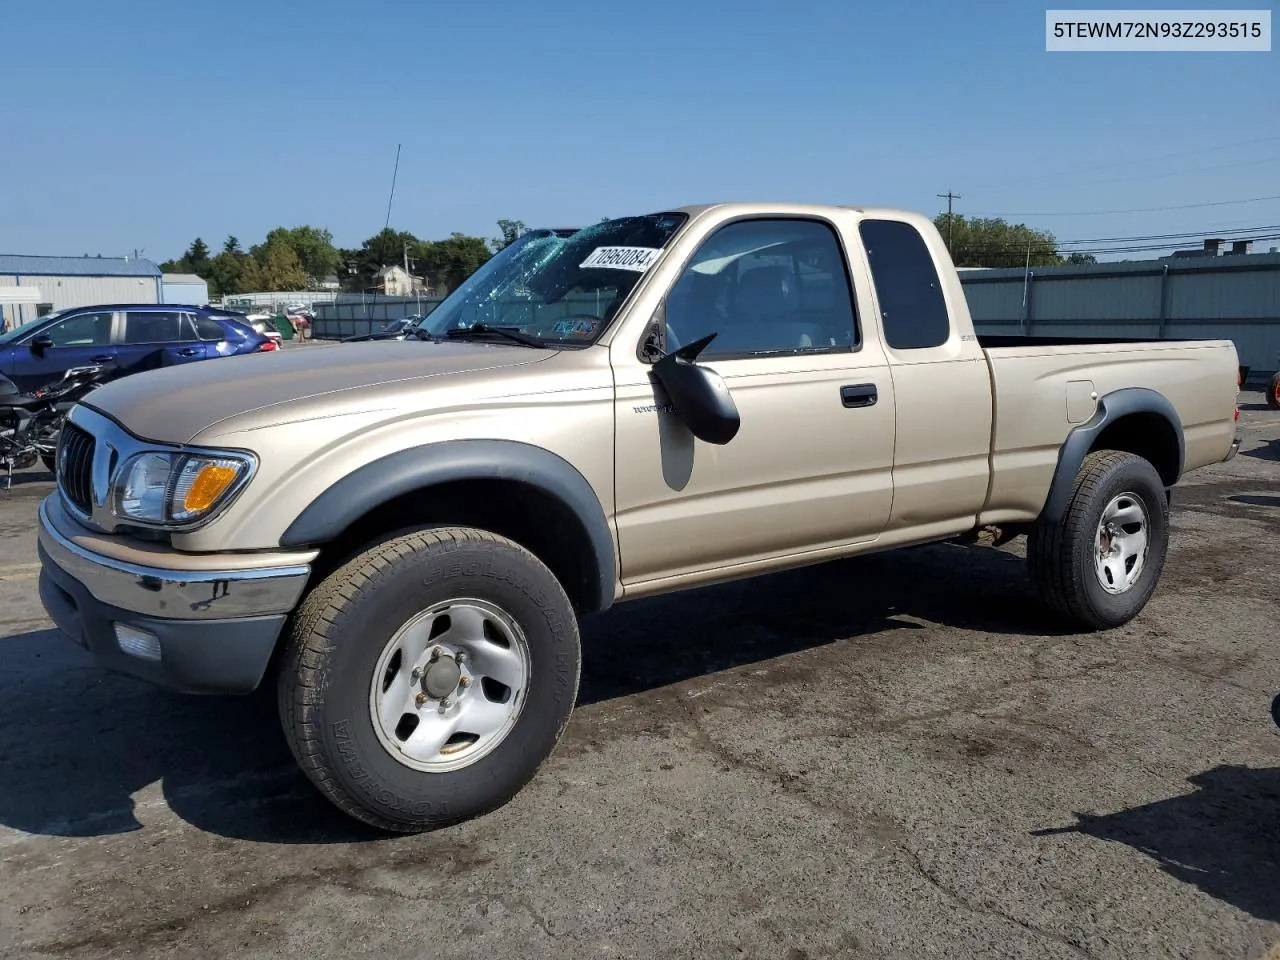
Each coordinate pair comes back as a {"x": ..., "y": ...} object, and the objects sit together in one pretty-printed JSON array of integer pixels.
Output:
[
  {"x": 362, "y": 684},
  {"x": 1273, "y": 392},
  {"x": 1100, "y": 564},
  {"x": 50, "y": 462}
]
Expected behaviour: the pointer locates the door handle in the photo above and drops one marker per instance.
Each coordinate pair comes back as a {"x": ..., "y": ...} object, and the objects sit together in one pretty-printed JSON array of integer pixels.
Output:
[
  {"x": 102, "y": 358},
  {"x": 859, "y": 395},
  {"x": 187, "y": 352}
]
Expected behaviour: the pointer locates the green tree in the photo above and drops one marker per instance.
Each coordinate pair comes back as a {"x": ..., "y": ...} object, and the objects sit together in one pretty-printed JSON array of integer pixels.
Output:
[
  {"x": 1080, "y": 258},
  {"x": 384, "y": 248},
  {"x": 282, "y": 269},
  {"x": 313, "y": 246},
  {"x": 197, "y": 256},
  {"x": 231, "y": 245},
  {"x": 253, "y": 278},
  {"x": 512, "y": 230},
  {"x": 447, "y": 263},
  {"x": 225, "y": 271},
  {"x": 994, "y": 242}
]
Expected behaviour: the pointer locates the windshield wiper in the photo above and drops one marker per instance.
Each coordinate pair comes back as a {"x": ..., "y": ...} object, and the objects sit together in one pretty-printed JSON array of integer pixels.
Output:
[{"x": 511, "y": 333}]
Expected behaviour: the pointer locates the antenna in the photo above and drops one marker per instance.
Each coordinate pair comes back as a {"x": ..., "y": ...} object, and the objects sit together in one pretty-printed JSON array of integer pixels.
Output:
[{"x": 393, "y": 188}]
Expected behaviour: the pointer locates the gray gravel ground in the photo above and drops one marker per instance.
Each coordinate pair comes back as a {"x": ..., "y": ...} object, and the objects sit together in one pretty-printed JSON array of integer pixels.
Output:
[{"x": 897, "y": 756}]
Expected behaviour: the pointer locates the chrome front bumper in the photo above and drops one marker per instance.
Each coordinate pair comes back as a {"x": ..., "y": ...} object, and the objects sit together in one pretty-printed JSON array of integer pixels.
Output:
[
  {"x": 190, "y": 594},
  {"x": 196, "y": 624}
]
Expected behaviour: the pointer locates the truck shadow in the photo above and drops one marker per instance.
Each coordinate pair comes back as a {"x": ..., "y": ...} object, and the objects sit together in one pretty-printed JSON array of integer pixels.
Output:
[
  {"x": 1269, "y": 451},
  {"x": 77, "y": 744},
  {"x": 1222, "y": 838}
]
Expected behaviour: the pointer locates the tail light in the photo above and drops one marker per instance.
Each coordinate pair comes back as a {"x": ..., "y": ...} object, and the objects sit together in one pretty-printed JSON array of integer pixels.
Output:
[{"x": 268, "y": 347}]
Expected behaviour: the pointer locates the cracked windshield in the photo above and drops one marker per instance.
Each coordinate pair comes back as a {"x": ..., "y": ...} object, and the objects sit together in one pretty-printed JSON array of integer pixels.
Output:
[{"x": 561, "y": 290}]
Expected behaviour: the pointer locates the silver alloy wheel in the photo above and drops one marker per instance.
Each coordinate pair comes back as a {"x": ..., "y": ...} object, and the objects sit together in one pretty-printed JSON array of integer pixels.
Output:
[
  {"x": 450, "y": 685},
  {"x": 1120, "y": 548}
]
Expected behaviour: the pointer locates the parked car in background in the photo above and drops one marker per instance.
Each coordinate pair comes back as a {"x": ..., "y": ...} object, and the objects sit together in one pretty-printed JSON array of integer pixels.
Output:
[
  {"x": 262, "y": 323},
  {"x": 131, "y": 337}
]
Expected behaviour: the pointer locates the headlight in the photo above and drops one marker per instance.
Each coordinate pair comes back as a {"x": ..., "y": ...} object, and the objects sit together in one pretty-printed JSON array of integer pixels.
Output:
[{"x": 176, "y": 488}]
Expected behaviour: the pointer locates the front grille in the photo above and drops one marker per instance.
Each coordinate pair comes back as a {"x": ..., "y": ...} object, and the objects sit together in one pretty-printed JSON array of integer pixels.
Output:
[{"x": 75, "y": 466}]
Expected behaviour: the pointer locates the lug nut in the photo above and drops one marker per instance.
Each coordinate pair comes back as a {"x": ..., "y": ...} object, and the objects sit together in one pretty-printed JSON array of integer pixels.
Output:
[
  {"x": 420, "y": 699},
  {"x": 460, "y": 656},
  {"x": 445, "y": 704},
  {"x": 435, "y": 654},
  {"x": 417, "y": 673},
  {"x": 464, "y": 682}
]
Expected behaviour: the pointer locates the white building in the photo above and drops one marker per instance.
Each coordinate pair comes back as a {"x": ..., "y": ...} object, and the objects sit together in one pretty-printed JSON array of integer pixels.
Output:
[
  {"x": 395, "y": 281},
  {"x": 184, "y": 288},
  {"x": 33, "y": 286}
]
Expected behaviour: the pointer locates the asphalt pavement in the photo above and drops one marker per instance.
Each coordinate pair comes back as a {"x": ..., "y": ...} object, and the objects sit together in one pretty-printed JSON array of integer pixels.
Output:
[{"x": 896, "y": 756}]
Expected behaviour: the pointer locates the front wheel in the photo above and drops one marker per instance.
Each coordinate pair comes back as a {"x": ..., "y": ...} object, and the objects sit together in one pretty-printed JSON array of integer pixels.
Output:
[
  {"x": 1273, "y": 392},
  {"x": 427, "y": 679},
  {"x": 1100, "y": 564}
]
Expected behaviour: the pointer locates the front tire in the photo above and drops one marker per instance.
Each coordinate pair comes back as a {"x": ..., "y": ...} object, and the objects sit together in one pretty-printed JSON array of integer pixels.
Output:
[
  {"x": 1273, "y": 392},
  {"x": 425, "y": 681},
  {"x": 1100, "y": 564}
]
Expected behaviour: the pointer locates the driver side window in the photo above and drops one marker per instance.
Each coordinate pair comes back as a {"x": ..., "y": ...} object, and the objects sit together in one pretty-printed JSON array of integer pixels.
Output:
[
  {"x": 82, "y": 330},
  {"x": 765, "y": 287}
]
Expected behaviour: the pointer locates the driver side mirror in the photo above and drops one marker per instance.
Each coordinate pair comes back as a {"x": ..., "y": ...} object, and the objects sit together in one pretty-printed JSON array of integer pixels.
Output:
[
  {"x": 40, "y": 344},
  {"x": 700, "y": 396}
]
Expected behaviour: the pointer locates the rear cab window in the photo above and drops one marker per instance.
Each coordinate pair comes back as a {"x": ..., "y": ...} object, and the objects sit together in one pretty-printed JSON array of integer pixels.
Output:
[{"x": 913, "y": 312}]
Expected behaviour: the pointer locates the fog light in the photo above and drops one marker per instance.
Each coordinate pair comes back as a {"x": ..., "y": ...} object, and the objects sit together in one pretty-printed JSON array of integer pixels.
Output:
[{"x": 137, "y": 643}]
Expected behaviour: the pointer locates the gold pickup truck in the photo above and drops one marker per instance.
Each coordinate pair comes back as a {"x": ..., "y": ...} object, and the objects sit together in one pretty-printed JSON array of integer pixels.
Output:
[{"x": 401, "y": 536}]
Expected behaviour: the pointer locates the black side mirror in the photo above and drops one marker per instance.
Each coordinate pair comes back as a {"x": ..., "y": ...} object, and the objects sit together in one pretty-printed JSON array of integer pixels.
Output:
[
  {"x": 700, "y": 396},
  {"x": 40, "y": 344}
]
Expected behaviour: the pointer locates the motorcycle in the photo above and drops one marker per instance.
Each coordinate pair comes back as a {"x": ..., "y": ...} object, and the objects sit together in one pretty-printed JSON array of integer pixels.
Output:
[{"x": 30, "y": 423}]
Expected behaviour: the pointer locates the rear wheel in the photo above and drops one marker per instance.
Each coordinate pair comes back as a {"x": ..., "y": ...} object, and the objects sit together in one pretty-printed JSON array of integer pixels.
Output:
[
  {"x": 427, "y": 679},
  {"x": 1100, "y": 564},
  {"x": 1273, "y": 392}
]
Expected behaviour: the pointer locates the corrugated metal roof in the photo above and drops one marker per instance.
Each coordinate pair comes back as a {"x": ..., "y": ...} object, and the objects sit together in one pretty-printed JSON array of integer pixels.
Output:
[
  {"x": 182, "y": 278},
  {"x": 25, "y": 266}
]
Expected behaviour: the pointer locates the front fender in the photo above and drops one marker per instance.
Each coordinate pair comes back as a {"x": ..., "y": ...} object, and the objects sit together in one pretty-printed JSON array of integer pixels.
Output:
[{"x": 447, "y": 461}]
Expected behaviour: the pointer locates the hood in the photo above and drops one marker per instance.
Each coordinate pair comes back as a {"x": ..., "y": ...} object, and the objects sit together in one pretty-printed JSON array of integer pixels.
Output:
[{"x": 174, "y": 404}]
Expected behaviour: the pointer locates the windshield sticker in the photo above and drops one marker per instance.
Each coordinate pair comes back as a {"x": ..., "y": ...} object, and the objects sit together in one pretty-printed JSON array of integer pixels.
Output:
[
  {"x": 638, "y": 259},
  {"x": 575, "y": 327}
]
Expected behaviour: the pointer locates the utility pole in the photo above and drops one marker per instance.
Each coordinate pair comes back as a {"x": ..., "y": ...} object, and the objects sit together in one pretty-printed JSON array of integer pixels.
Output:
[{"x": 949, "y": 196}]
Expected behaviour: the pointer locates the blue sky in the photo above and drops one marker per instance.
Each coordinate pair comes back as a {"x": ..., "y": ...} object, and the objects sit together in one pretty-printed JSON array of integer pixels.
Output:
[{"x": 141, "y": 125}]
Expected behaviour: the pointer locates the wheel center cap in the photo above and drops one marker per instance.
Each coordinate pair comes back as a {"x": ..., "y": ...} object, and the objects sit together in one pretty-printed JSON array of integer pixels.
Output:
[{"x": 441, "y": 678}]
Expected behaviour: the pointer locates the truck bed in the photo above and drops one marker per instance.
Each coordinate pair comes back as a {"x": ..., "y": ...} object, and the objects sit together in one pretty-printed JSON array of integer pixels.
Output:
[{"x": 1043, "y": 387}]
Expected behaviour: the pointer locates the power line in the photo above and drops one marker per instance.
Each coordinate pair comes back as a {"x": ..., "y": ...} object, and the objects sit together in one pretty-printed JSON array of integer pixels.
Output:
[
  {"x": 1127, "y": 163},
  {"x": 1223, "y": 232},
  {"x": 1178, "y": 173},
  {"x": 1107, "y": 213}
]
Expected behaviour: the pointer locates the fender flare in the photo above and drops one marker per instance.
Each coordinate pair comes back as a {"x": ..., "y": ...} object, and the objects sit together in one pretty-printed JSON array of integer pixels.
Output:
[
  {"x": 448, "y": 461},
  {"x": 1111, "y": 407}
]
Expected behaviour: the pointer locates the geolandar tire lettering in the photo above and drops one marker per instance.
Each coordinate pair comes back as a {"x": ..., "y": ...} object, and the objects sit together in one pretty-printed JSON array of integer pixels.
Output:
[
  {"x": 1101, "y": 563},
  {"x": 425, "y": 681}
]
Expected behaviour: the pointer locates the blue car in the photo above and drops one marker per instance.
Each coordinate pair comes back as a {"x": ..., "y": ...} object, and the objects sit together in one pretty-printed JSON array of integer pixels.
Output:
[{"x": 128, "y": 337}]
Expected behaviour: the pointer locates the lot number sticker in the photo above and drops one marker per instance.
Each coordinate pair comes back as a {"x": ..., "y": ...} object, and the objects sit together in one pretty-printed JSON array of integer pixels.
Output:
[{"x": 621, "y": 258}]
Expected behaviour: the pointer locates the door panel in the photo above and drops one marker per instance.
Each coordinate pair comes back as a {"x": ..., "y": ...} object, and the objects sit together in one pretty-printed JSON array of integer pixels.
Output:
[
  {"x": 79, "y": 340},
  {"x": 811, "y": 466},
  {"x": 804, "y": 472},
  {"x": 158, "y": 338}
]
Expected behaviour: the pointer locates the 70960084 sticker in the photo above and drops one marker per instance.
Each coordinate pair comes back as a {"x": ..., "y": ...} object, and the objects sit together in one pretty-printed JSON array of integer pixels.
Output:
[{"x": 638, "y": 259}]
